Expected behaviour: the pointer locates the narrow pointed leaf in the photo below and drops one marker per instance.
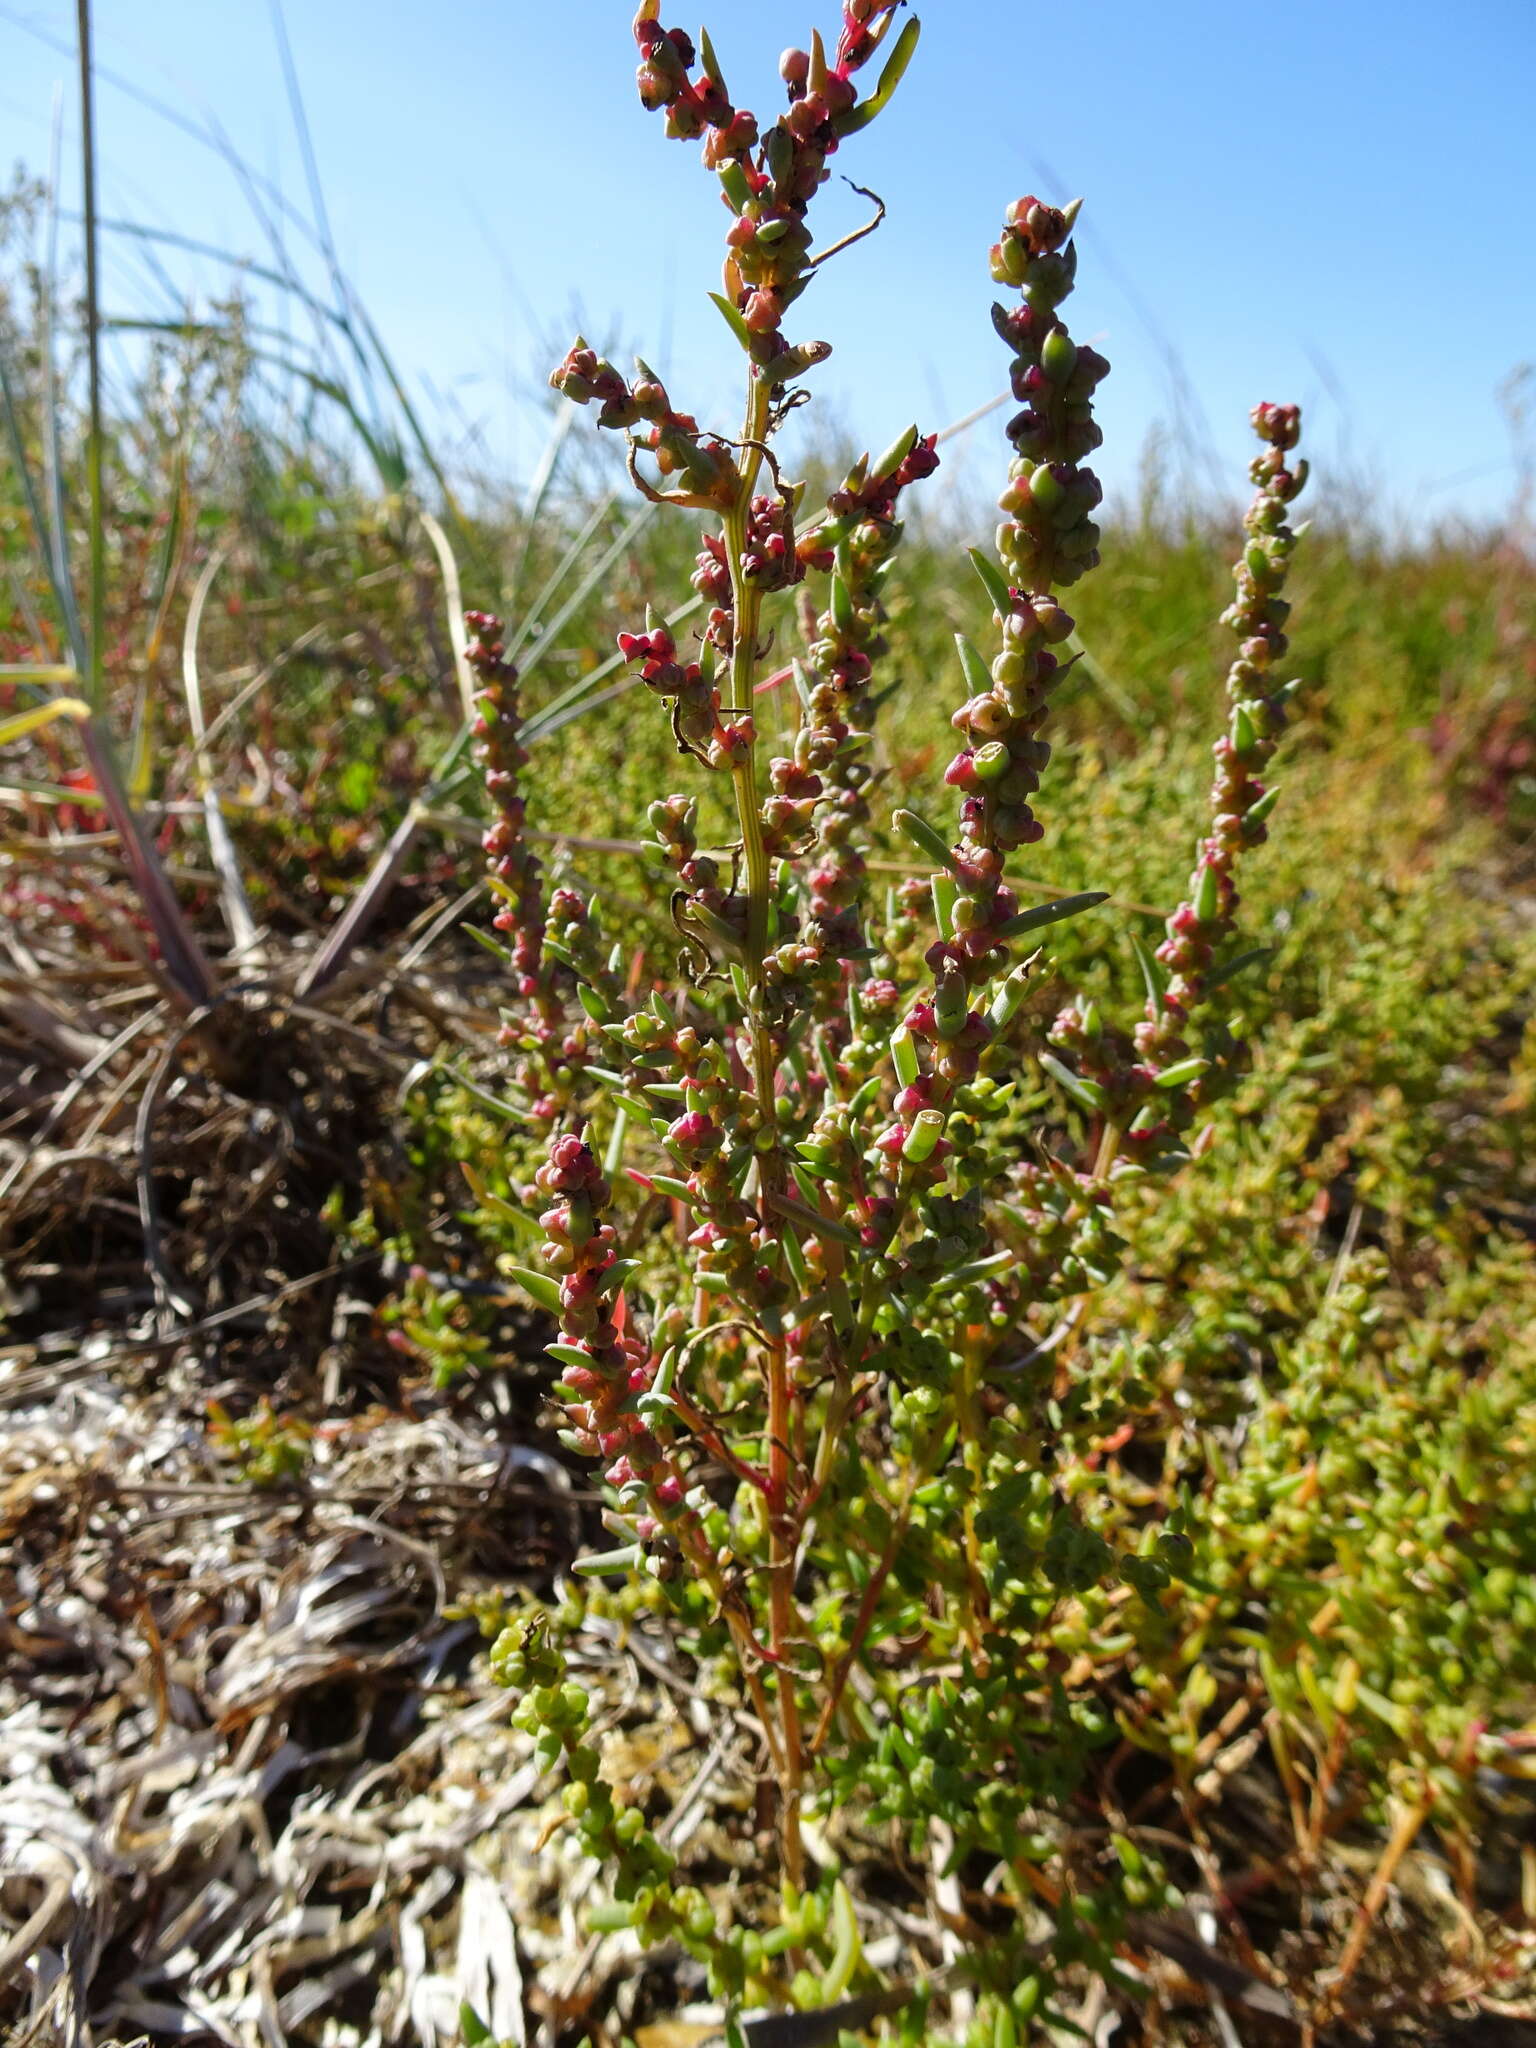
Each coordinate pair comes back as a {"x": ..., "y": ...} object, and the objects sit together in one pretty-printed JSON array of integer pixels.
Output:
[
  {"x": 1083, "y": 1091},
  {"x": 924, "y": 837},
  {"x": 1240, "y": 965},
  {"x": 823, "y": 1226},
  {"x": 1151, "y": 972},
  {"x": 978, "y": 677},
  {"x": 1042, "y": 914},
  {"x": 539, "y": 1287},
  {"x": 993, "y": 581},
  {"x": 732, "y": 318},
  {"x": 891, "y": 76}
]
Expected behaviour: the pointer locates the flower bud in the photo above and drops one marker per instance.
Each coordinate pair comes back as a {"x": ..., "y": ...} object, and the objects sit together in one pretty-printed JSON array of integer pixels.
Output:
[
  {"x": 795, "y": 69},
  {"x": 950, "y": 1000},
  {"x": 1058, "y": 355}
]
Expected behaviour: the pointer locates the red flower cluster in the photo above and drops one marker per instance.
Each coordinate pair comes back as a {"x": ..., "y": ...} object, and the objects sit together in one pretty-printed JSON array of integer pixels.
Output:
[
  {"x": 580, "y": 1249},
  {"x": 828, "y": 777},
  {"x": 700, "y": 462},
  {"x": 695, "y": 701},
  {"x": 716, "y": 1121},
  {"x": 1240, "y": 800},
  {"x": 769, "y": 178}
]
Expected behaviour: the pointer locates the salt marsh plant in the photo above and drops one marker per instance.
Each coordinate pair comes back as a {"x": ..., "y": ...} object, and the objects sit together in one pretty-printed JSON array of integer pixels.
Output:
[{"x": 811, "y": 1208}]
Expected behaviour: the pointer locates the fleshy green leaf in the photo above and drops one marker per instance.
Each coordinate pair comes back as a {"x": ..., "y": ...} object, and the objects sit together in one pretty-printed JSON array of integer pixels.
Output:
[
  {"x": 895, "y": 455},
  {"x": 923, "y": 837},
  {"x": 733, "y": 319},
  {"x": 890, "y": 77},
  {"x": 538, "y": 1287},
  {"x": 1181, "y": 1072},
  {"x": 570, "y": 1354},
  {"x": 994, "y": 582},
  {"x": 978, "y": 677},
  {"x": 1052, "y": 913},
  {"x": 1082, "y": 1091}
]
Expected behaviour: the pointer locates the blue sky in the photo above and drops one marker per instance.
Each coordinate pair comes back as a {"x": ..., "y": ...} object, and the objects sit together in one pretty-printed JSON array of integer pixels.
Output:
[{"x": 1331, "y": 202}]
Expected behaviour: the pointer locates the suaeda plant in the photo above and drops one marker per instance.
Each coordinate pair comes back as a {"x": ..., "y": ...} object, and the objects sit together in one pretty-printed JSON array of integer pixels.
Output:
[{"x": 799, "y": 1228}]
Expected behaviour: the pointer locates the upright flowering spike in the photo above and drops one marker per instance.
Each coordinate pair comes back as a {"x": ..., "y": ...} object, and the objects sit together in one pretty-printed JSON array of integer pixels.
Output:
[
  {"x": 1048, "y": 537},
  {"x": 512, "y": 861},
  {"x": 615, "y": 1369},
  {"x": 1240, "y": 801},
  {"x": 550, "y": 946},
  {"x": 827, "y": 779},
  {"x": 768, "y": 179},
  {"x": 1150, "y": 1080}
]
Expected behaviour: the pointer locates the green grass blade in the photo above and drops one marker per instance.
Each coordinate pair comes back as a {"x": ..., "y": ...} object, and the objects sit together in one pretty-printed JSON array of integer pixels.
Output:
[
  {"x": 538, "y": 491},
  {"x": 584, "y": 589},
  {"x": 558, "y": 574}
]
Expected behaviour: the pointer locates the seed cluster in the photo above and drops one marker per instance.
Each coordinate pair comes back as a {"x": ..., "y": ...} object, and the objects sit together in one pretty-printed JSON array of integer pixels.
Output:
[
  {"x": 699, "y": 462},
  {"x": 513, "y": 862},
  {"x": 769, "y": 561},
  {"x": 552, "y": 947},
  {"x": 1150, "y": 1081},
  {"x": 1240, "y": 801},
  {"x": 1050, "y": 537},
  {"x": 767, "y": 179},
  {"x": 828, "y": 776},
  {"x": 1047, "y": 537},
  {"x": 693, "y": 695},
  {"x": 581, "y": 1251}
]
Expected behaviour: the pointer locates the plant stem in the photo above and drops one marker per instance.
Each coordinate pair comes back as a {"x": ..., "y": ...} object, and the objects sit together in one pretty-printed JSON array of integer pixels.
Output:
[
  {"x": 970, "y": 1429},
  {"x": 783, "y": 1541},
  {"x": 1404, "y": 1831}
]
